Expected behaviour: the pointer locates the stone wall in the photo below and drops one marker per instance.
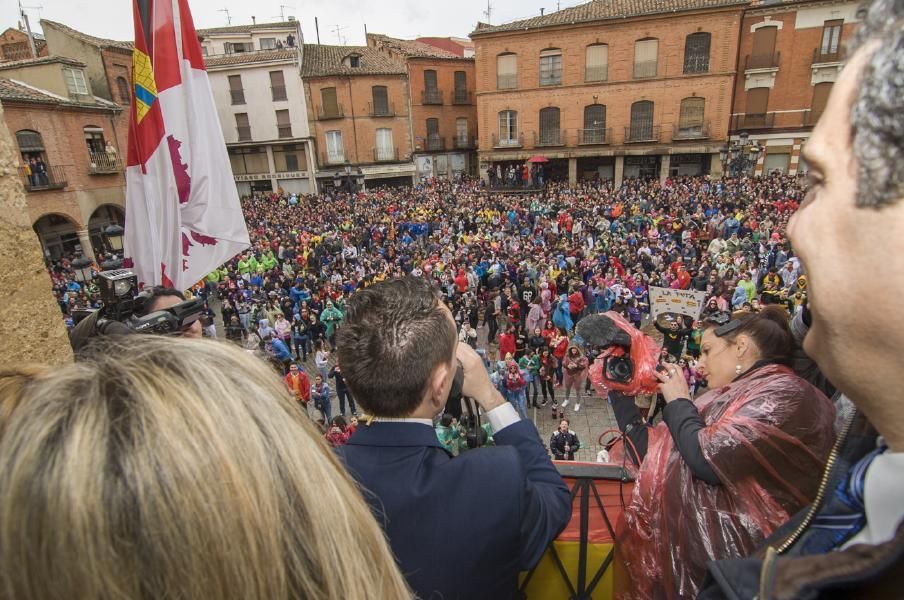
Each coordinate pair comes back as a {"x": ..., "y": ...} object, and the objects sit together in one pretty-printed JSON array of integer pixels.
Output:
[{"x": 31, "y": 325}]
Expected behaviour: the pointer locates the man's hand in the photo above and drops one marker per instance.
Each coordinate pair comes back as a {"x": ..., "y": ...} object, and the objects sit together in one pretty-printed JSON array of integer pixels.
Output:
[{"x": 476, "y": 382}]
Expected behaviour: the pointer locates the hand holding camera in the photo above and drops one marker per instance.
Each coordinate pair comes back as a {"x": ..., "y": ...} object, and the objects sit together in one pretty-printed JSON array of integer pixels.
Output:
[{"x": 476, "y": 381}]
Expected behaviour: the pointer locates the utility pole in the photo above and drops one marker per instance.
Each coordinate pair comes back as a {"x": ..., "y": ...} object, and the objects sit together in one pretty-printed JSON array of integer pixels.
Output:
[
  {"x": 228, "y": 18},
  {"x": 317, "y": 29}
]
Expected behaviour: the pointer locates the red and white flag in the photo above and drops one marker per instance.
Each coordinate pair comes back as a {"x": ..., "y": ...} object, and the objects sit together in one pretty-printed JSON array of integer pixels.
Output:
[{"x": 183, "y": 217}]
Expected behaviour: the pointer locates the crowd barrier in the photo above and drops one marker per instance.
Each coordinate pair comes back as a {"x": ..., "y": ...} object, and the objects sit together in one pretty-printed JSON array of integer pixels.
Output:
[{"x": 580, "y": 563}]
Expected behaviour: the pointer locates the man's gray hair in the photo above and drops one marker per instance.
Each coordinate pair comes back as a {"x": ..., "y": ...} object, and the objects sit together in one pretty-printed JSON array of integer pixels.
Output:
[{"x": 876, "y": 119}]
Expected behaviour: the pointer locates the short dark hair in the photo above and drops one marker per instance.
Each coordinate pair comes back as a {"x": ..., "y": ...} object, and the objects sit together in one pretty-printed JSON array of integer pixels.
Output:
[
  {"x": 394, "y": 335},
  {"x": 152, "y": 294},
  {"x": 769, "y": 329}
]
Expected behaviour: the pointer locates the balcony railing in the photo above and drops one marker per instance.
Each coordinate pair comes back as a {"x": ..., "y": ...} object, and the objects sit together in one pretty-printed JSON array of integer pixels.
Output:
[
  {"x": 693, "y": 132},
  {"x": 506, "y": 82},
  {"x": 434, "y": 143},
  {"x": 278, "y": 92},
  {"x": 51, "y": 178},
  {"x": 762, "y": 61},
  {"x": 432, "y": 97},
  {"x": 238, "y": 96},
  {"x": 753, "y": 121},
  {"x": 330, "y": 112},
  {"x": 462, "y": 97},
  {"x": 386, "y": 154},
  {"x": 642, "y": 132},
  {"x": 16, "y": 54},
  {"x": 515, "y": 142},
  {"x": 600, "y": 73},
  {"x": 464, "y": 142},
  {"x": 244, "y": 133},
  {"x": 103, "y": 163},
  {"x": 381, "y": 110},
  {"x": 284, "y": 131},
  {"x": 594, "y": 135},
  {"x": 645, "y": 69},
  {"x": 550, "y": 138},
  {"x": 332, "y": 159},
  {"x": 825, "y": 57},
  {"x": 809, "y": 118}
]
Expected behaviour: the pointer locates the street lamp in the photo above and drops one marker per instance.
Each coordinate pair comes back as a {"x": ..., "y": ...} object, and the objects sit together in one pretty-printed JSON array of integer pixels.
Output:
[
  {"x": 113, "y": 234},
  {"x": 82, "y": 268},
  {"x": 741, "y": 156}
]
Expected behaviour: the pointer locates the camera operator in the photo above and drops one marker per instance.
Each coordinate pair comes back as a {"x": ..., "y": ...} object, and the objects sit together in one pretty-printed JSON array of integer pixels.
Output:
[
  {"x": 159, "y": 298},
  {"x": 398, "y": 348}
]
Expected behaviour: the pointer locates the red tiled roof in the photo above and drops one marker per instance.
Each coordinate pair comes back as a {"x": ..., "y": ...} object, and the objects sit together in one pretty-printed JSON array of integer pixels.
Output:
[{"x": 318, "y": 60}]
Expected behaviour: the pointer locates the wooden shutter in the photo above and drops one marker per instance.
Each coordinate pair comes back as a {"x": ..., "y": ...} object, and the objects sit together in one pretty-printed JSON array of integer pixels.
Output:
[
  {"x": 757, "y": 101},
  {"x": 821, "y": 93},
  {"x": 596, "y": 63},
  {"x": 764, "y": 41},
  {"x": 328, "y": 102}
]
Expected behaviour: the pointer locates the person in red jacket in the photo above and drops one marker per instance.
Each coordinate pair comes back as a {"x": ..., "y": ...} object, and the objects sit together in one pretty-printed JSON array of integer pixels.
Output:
[
  {"x": 298, "y": 383},
  {"x": 461, "y": 282},
  {"x": 576, "y": 304},
  {"x": 507, "y": 343},
  {"x": 338, "y": 433}
]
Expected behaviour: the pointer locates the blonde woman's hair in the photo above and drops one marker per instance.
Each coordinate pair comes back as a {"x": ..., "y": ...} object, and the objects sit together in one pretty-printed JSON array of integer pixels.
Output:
[{"x": 176, "y": 468}]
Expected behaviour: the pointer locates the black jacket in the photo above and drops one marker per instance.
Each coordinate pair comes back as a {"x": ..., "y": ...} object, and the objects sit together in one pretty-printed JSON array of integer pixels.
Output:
[{"x": 558, "y": 441}]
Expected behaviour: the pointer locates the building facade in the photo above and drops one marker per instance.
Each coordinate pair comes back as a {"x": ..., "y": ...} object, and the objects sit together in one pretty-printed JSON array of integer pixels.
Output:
[
  {"x": 442, "y": 106},
  {"x": 790, "y": 56},
  {"x": 358, "y": 106},
  {"x": 15, "y": 45},
  {"x": 607, "y": 90},
  {"x": 70, "y": 166},
  {"x": 254, "y": 76}
]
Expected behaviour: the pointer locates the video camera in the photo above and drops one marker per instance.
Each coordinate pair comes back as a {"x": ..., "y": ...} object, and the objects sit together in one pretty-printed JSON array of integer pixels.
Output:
[
  {"x": 123, "y": 311},
  {"x": 629, "y": 359}
]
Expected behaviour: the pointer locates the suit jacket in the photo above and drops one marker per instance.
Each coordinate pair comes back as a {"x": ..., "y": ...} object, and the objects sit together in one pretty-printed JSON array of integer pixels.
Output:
[{"x": 463, "y": 527}]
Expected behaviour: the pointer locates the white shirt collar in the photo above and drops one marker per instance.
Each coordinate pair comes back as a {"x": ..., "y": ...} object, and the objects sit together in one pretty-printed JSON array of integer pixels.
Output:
[
  {"x": 883, "y": 489},
  {"x": 428, "y": 422}
]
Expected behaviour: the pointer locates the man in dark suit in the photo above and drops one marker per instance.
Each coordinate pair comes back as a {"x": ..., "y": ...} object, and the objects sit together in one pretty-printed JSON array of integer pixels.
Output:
[{"x": 462, "y": 527}]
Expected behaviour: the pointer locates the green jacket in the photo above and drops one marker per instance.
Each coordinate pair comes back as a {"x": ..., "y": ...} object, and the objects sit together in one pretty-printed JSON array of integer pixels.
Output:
[
  {"x": 530, "y": 363},
  {"x": 330, "y": 317}
]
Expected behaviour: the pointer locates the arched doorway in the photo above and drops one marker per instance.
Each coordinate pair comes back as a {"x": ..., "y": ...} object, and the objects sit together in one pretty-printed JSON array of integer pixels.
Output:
[
  {"x": 58, "y": 234},
  {"x": 104, "y": 215}
]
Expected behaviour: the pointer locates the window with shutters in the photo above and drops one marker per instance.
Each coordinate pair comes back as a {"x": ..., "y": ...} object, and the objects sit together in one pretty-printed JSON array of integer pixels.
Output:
[
  {"x": 236, "y": 91},
  {"x": 461, "y": 132},
  {"x": 283, "y": 124},
  {"x": 432, "y": 94},
  {"x": 385, "y": 150},
  {"x": 831, "y": 40},
  {"x": 641, "y": 121},
  {"x": 329, "y": 105},
  {"x": 268, "y": 43},
  {"x": 690, "y": 119},
  {"x": 507, "y": 71},
  {"x": 75, "y": 81},
  {"x": 243, "y": 127},
  {"x": 821, "y": 93},
  {"x": 335, "y": 152},
  {"x": 763, "y": 53},
  {"x": 31, "y": 144},
  {"x": 596, "y": 63},
  {"x": 508, "y": 128},
  {"x": 94, "y": 139},
  {"x": 124, "y": 93},
  {"x": 646, "y": 55},
  {"x": 430, "y": 80},
  {"x": 434, "y": 142},
  {"x": 696, "y": 52},
  {"x": 551, "y": 67},
  {"x": 757, "y": 103},
  {"x": 278, "y": 86},
  {"x": 461, "y": 87},
  {"x": 594, "y": 124},
  {"x": 289, "y": 158},
  {"x": 550, "y": 134},
  {"x": 380, "y": 97}
]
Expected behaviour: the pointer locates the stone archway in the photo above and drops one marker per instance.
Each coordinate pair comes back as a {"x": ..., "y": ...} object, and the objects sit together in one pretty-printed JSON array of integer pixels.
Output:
[
  {"x": 104, "y": 215},
  {"x": 59, "y": 235}
]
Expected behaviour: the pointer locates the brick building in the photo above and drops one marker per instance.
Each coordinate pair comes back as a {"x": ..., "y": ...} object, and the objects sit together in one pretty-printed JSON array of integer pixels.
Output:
[
  {"x": 609, "y": 89},
  {"x": 441, "y": 100},
  {"x": 14, "y": 45},
  {"x": 254, "y": 76},
  {"x": 790, "y": 56},
  {"x": 69, "y": 165},
  {"x": 357, "y": 103}
]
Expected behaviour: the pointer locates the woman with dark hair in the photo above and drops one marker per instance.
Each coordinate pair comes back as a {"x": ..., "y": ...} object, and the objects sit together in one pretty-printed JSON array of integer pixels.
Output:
[{"x": 722, "y": 472}]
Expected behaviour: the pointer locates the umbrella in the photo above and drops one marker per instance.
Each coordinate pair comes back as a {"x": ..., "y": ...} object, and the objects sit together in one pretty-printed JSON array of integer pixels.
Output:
[{"x": 537, "y": 159}]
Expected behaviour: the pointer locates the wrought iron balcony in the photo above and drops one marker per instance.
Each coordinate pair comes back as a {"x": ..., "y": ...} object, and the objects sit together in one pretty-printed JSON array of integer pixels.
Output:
[
  {"x": 238, "y": 96},
  {"x": 331, "y": 112},
  {"x": 762, "y": 61},
  {"x": 432, "y": 97},
  {"x": 553, "y": 137},
  {"x": 820, "y": 57},
  {"x": 594, "y": 135},
  {"x": 434, "y": 143},
  {"x": 386, "y": 154},
  {"x": 464, "y": 142},
  {"x": 284, "y": 131},
  {"x": 103, "y": 163},
  {"x": 642, "y": 132},
  {"x": 600, "y": 73},
  {"x": 381, "y": 110},
  {"x": 462, "y": 97},
  {"x": 692, "y": 132},
  {"x": 508, "y": 142},
  {"x": 48, "y": 178},
  {"x": 645, "y": 69},
  {"x": 753, "y": 121}
]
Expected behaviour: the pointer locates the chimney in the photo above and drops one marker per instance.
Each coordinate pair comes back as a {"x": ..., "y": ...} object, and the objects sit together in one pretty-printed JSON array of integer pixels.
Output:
[
  {"x": 541, "y": 11},
  {"x": 253, "y": 20}
]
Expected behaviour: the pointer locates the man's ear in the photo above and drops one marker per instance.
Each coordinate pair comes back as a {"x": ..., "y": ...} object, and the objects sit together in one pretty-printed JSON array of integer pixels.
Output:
[{"x": 440, "y": 383}]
